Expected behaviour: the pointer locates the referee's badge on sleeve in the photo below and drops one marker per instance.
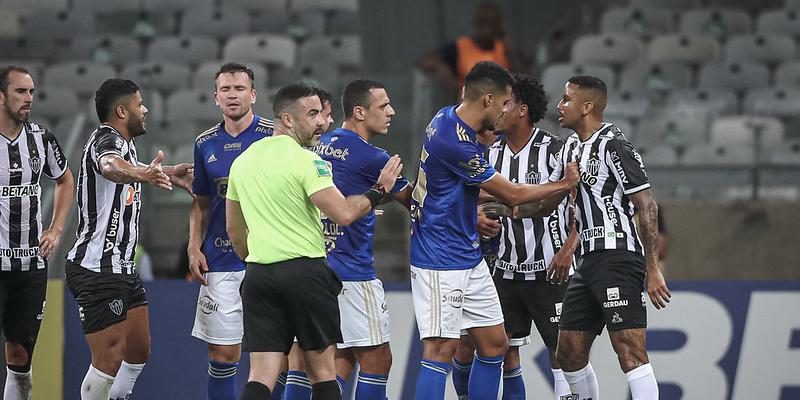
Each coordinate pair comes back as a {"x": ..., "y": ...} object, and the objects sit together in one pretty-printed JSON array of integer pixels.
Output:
[{"x": 323, "y": 169}]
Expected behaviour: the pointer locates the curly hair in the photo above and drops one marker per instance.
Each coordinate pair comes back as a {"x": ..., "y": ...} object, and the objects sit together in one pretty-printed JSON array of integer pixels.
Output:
[{"x": 527, "y": 90}]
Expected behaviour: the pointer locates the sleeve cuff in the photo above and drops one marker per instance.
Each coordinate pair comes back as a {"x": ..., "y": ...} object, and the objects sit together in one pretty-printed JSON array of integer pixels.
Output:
[{"x": 637, "y": 188}]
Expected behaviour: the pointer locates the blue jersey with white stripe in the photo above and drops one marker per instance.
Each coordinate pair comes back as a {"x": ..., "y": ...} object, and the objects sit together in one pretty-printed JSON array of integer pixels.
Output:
[
  {"x": 444, "y": 234},
  {"x": 214, "y": 152},
  {"x": 356, "y": 166}
]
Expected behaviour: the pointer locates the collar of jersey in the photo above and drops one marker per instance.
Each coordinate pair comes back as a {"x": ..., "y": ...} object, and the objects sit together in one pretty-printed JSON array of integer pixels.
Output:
[
  {"x": 348, "y": 132},
  {"x": 250, "y": 127},
  {"x": 452, "y": 113},
  {"x": 596, "y": 133}
]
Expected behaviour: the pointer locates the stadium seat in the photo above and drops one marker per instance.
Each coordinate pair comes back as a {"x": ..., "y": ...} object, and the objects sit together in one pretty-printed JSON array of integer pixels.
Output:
[
  {"x": 674, "y": 5},
  {"x": 278, "y": 7},
  {"x": 344, "y": 22},
  {"x": 28, "y": 7},
  {"x": 709, "y": 101},
  {"x": 786, "y": 153},
  {"x": 84, "y": 78},
  {"x": 104, "y": 6},
  {"x": 323, "y": 75},
  {"x": 166, "y": 76},
  {"x": 555, "y": 76},
  {"x": 637, "y": 21},
  {"x": 55, "y": 103},
  {"x": 220, "y": 22},
  {"x": 741, "y": 131},
  {"x": 788, "y": 74},
  {"x": 281, "y": 76},
  {"x": 141, "y": 24},
  {"x": 676, "y": 128},
  {"x": 783, "y": 21},
  {"x": 659, "y": 156},
  {"x": 655, "y": 77},
  {"x": 10, "y": 24},
  {"x": 192, "y": 105},
  {"x": 627, "y": 104},
  {"x": 172, "y": 6},
  {"x": 264, "y": 48},
  {"x": 268, "y": 23},
  {"x": 328, "y": 5},
  {"x": 777, "y": 102},
  {"x": 684, "y": 48},
  {"x": 716, "y": 22},
  {"x": 111, "y": 49},
  {"x": 343, "y": 50},
  {"x": 59, "y": 25},
  {"x": 203, "y": 78},
  {"x": 792, "y": 4},
  {"x": 611, "y": 48},
  {"x": 718, "y": 155},
  {"x": 307, "y": 23},
  {"x": 733, "y": 75},
  {"x": 767, "y": 49},
  {"x": 183, "y": 49},
  {"x": 40, "y": 50},
  {"x": 171, "y": 134}
]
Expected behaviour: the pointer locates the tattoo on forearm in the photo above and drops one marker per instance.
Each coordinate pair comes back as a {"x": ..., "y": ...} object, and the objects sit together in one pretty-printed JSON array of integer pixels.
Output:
[
  {"x": 111, "y": 170},
  {"x": 648, "y": 220}
]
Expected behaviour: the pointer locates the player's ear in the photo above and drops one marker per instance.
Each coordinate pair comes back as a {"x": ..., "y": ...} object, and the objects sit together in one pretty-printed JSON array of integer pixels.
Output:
[
  {"x": 523, "y": 110},
  {"x": 488, "y": 98},
  {"x": 253, "y": 95},
  {"x": 588, "y": 106},
  {"x": 120, "y": 111},
  {"x": 286, "y": 119},
  {"x": 359, "y": 113}
]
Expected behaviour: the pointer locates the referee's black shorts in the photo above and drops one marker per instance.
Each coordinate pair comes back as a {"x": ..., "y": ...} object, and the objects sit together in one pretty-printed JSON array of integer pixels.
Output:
[
  {"x": 287, "y": 299},
  {"x": 22, "y": 297}
]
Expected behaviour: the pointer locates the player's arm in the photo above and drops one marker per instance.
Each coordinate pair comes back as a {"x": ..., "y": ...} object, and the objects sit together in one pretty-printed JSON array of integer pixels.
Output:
[
  {"x": 236, "y": 227},
  {"x": 558, "y": 271},
  {"x": 404, "y": 196},
  {"x": 538, "y": 209},
  {"x": 648, "y": 224},
  {"x": 485, "y": 197},
  {"x": 346, "y": 210},
  {"x": 198, "y": 224},
  {"x": 514, "y": 194},
  {"x": 62, "y": 201},
  {"x": 181, "y": 175},
  {"x": 114, "y": 168}
]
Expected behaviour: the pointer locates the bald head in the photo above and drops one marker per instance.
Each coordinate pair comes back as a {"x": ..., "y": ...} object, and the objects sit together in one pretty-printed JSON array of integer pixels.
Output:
[{"x": 592, "y": 90}]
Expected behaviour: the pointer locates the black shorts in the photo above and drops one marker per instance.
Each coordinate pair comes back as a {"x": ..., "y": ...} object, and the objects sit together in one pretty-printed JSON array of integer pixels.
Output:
[
  {"x": 288, "y": 299},
  {"x": 103, "y": 299},
  {"x": 524, "y": 302},
  {"x": 607, "y": 289},
  {"x": 22, "y": 297}
]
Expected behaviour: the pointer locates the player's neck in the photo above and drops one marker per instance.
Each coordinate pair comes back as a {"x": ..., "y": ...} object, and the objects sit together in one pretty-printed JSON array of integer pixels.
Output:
[
  {"x": 235, "y": 127},
  {"x": 359, "y": 129},
  {"x": 10, "y": 128},
  {"x": 120, "y": 127},
  {"x": 587, "y": 129},
  {"x": 470, "y": 115},
  {"x": 518, "y": 137}
]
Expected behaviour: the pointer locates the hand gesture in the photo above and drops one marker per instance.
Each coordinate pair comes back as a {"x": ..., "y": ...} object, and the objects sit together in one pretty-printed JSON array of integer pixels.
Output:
[
  {"x": 572, "y": 173},
  {"x": 390, "y": 172},
  {"x": 487, "y": 227},
  {"x": 49, "y": 242},
  {"x": 657, "y": 288},
  {"x": 558, "y": 271},
  {"x": 198, "y": 265},
  {"x": 182, "y": 175},
  {"x": 155, "y": 175}
]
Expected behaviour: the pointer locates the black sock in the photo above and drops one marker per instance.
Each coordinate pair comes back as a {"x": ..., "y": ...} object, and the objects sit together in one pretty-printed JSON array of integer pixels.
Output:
[
  {"x": 328, "y": 390},
  {"x": 255, "y": 391}
]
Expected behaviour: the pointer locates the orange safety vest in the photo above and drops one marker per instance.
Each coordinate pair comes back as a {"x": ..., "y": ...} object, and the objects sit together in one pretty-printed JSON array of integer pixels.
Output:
[{"x": 470, "y": 54}]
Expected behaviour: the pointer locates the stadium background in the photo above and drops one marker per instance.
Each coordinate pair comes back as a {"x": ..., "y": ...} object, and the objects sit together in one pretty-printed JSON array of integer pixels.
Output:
[{"x": 708, "y": 90}]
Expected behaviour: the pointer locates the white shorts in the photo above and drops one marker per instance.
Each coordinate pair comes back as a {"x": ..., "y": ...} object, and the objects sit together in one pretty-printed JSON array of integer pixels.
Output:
[
  {"x": 365, "y": 318},
  {"x": 447, "y": 302},
  {"x": 218, "y": 319}
]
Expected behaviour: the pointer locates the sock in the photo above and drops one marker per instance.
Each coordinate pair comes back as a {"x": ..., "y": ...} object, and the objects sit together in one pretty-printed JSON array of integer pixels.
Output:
[
  {"x": 485, "y": 378},
  {"x": 222, "y": 380},
  {"x": 280, "y": 386},
  {"x": 96, "y": 385},
  {"x": 328, "y": 390},
  {"x": 298, "y": 387},
  {"x": 560, "y": 384},
  {"x": 19, "y": 385},
  {"x": 371, "y": 387},
  {"x": 124, "y": 381},
  {"x": 461, "y": 378},
  {"x": 255, "y": 391},
  {"x": 340, "y": 382},
  {"x": 642, "y": 382},
  {"x": 583, "y": 383},
  {"x": 513, "y": 384},
  {"x": 431, "y": 380}
]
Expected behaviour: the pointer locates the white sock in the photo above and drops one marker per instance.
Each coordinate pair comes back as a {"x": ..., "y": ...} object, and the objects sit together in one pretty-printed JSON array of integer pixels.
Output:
[
  {"x": 642, "y": 382},
  {"x": 96, "y": 385},
  {"x": 18, "y": 385},
  {"x": 561, "y": 386},
  {"x": 124, "y": 381},
  {"x": 583, "y": 382}
]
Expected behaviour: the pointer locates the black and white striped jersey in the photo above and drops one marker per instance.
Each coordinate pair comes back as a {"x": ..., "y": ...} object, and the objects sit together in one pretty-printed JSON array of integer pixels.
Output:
[
  {"x": 528, "y": 245},
  {"x": 108, "y": 221},
  {"x": 611, "y": 171},
  {"x": 35, "y": 152}
]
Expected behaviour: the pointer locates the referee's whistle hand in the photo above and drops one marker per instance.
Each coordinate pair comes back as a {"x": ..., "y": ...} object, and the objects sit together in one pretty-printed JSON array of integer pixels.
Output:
[{"x": 391, "y": 170}]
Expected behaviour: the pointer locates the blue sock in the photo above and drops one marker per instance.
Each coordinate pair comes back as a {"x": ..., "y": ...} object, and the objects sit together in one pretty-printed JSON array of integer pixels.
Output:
[
  {"x": 222, "y": 380},
  {"x": 280, "y": 386},
  {"x": 513, "y": 385},
  {"x": 484, "y": 380},
  {"x": 341, "y": 382},
  {"x": 431, "y": 380},
  {"x": 298, "y": 387},
  {"x": 461, "y": 378},
  {"x": 371, "y": 387}
]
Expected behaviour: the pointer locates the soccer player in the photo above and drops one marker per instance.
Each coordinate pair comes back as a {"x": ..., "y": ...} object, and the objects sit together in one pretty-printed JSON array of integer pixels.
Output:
[
  {"x": 100, "y": 270},
  {"x": 276, "y": 190},
  {"x": 31, "y": 151},
  {"x": 451, "y": 285},
  {"x": 212, "y": 262},
  {"x": 356, "y": 166},
  {"x": 608, "y": 288}
]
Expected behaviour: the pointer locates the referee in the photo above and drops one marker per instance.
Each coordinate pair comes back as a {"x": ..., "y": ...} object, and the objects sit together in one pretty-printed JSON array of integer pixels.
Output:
[{"x": 276, "y": 190}]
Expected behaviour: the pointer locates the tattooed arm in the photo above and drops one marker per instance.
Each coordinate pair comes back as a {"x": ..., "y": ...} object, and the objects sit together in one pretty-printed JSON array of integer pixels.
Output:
[{"x": 648, "y": 226}]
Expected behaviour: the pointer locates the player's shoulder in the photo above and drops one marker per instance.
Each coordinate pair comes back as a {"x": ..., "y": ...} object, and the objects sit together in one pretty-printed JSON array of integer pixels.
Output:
[
  {"x": 265, "y": 126},
  {"x": 207, "y": 135},
  {"x": 613, "y": 134},
  {"x": 550, "y": 138},
  {"x": 36, "y": 128}
]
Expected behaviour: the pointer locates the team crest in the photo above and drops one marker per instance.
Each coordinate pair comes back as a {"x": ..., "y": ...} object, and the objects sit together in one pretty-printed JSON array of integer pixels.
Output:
[
  {"x": 532, "y": 177},
  {"x": 36, "y": 164},
  {"x": 570, "y": 397},
  {"x": 593, "y": 165},
  {"x": 116, "y": 306}
]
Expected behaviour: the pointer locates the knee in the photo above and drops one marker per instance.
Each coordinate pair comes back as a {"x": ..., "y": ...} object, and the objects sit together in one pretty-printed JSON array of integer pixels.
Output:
[
  {"x": 439, "y": 349},
  {"x": 494, "y": 348},
  {"x": 377, "y": 361},
  {"x": 569, "y": 357},
  {"x": 226, "y": 354},
  {"x": 18, "y": 355},
  {"x": 631, "y": 357}
]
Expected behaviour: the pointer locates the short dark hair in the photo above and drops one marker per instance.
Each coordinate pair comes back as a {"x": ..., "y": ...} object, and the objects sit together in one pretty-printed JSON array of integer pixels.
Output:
[
  {"x": 589, "y": 82},
  {"x": 527, "y": 90},
  {"x": 5, "y": 72},
  {"x": 289, "y": 94},
  {"x": 486, "y": 77},
  {"x": 232, "y": 68},
  {"x": 356, "y": 93},
  {"x": 106, "y": 98},
  {"x": 324, "y": 95}
]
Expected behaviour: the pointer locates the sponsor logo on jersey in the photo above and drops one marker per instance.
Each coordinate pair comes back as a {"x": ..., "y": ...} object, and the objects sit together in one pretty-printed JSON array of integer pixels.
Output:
[
  {"x": 592, "y": 170},
  {"x": 232, "y": 146},
  {"x": 330, "y": 151},
  {"x": 616, "y": 319},
  {"x": 207, "y": 305},
  {"x": 15, "y": 169},
  {"x": 592, "y": 233},
  {"x": 223, "y": 244},
  {"x": 222, "y": 186},
  {"x": 572, "y": 397},
  {"x": 116, "y": 306},
  {"x": 118, "y": 143},
  {"x": 211, "y": 158},
  {"x": 644, "y": 300},
  {"x": 556, "y": 318},
  {"x": 131, "y": 196},
  {"x": 611, "y": 210},
  {"x": 612, "y": 293},
  {"x": 113, "y": 226},
  {"x": 323, "y": 169},
  {"x": 455, "y": 298},
  {"x": 41, "y": 314},
  {"x": 536, "y": 266},
  {"x": 262, "y": 129},
  {"x": 7, "y": 192},
  {"x": 475, "y": 166},
  {"x": 19, "y": 252}
]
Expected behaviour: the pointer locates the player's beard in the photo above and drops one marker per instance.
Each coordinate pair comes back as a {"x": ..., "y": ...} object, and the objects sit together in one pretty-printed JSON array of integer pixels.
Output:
[
  {"x": 237, "y": 117},
  {"x": 18, "y": 116},
  {"x": 136, "y": 127}
]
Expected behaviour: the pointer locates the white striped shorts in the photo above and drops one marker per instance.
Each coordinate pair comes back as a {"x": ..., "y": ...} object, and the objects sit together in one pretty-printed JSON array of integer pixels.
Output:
[
  {"x": 447, "y": 302},
  {"x": 364, "y": 316}
]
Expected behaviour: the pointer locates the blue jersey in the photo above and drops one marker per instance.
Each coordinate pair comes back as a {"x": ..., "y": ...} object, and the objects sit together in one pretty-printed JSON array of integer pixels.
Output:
[
  {"x": 356, "y": 167},
  {"x": 214, "y": 152},
  {"x": 444, "y": 234}
]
